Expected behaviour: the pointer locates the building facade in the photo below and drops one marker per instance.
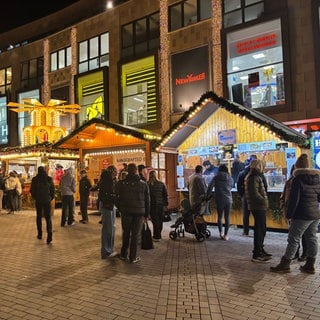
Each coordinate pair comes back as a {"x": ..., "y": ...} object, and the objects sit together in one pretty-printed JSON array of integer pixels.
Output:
[{"x": 145, "y": 65}]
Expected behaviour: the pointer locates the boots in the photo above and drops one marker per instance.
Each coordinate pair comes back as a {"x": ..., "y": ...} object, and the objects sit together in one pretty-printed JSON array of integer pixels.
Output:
[
  {"x": 283, "y": 266},
  {"x": 49, "y": 238},
  {"x": 309, "y": 266}
]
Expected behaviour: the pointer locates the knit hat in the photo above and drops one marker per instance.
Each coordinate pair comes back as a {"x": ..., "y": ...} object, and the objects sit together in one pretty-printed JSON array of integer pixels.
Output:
[{"x": 302, "y": 161}]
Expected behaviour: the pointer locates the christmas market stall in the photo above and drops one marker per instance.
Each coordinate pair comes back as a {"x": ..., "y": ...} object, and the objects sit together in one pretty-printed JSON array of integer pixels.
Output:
[
  {"x": 219, "y": 131},
  {"x": 100, "y": 143}
]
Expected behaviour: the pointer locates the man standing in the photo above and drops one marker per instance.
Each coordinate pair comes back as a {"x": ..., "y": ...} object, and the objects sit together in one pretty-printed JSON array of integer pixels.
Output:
[
  {"x": 42, "y": 191},
  {"x": 84, "y": 191},
  {"x": 2, "y": 188},
  {"x": 197, "y": 187},
  {"x": 67, "y": 188},
  {"x": 133, "y": 201}
]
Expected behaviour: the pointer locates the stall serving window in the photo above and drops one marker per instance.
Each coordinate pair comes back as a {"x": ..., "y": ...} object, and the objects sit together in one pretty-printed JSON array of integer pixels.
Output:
[
  {"x": 158, "y": 163},
  {"x": 255, "y": 68},
  {"x": 94, "y": 53},
  {"x": 139, "y": 97},
  {"x": 241, "y": 11}
]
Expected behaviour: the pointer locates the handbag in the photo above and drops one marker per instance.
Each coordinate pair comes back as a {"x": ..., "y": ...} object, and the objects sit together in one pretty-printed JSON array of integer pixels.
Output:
[
  {"x": 166, "y": 217},
  {"x": 146, "y": 238}
]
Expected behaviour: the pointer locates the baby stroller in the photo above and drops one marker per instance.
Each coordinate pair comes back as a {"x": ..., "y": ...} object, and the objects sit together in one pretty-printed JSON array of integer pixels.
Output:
[{"x": 190, "y": 221}]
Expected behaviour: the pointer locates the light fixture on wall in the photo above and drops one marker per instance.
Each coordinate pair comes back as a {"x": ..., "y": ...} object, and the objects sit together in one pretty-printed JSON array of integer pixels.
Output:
[{"x": 109, "y": 4}]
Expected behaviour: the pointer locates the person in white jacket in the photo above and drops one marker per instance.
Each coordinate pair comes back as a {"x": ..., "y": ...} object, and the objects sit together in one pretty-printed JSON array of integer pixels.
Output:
[{"x": 13, "y": 190}]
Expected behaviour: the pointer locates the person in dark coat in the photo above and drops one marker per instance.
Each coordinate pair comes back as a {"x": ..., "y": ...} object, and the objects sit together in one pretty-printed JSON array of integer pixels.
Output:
[
  {"x": 159, "y": 203},
  {"x": 257, "y": 199},
  {"x": 236, "y": 168},
  {"x": 133, "y": 201},
  {"x": 42, "y": 191},
  {"x": 303, "y": 211},
  {"x": 107, "y": 209},
  {"x": 84, "y": 191},
  {"x": 222, "y": 184}
]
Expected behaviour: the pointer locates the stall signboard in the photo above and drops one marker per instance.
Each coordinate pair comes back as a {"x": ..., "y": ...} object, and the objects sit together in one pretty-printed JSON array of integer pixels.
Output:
[
  {"x": 257, "y": 146},
  {"x": 203, "y": 151},
  {"x": 226, "y": 137},
  {"x": 130, "y": 157}
]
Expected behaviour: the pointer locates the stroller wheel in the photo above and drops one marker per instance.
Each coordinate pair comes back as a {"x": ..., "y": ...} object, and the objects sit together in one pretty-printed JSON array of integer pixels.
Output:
[
  {"x": 200, "y": 237},
  {"x": 207, "y": 233},
  {"x": 173, "y": 235}
]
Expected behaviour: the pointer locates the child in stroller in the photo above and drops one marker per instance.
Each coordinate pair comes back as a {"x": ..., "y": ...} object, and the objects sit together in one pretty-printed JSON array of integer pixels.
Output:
[{"x": 190, "y": 221}]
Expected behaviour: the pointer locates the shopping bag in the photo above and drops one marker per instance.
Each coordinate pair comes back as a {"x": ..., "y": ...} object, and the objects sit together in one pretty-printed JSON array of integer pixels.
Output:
[{"x": 146, "y": 238}]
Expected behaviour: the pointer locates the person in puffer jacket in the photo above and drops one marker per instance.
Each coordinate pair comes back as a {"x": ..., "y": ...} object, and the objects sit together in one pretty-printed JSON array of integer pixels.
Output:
[
  {"x": 133, "y": 201},
  {"x": 303, "y": 211},
  {"x": 257, "y": 199}
]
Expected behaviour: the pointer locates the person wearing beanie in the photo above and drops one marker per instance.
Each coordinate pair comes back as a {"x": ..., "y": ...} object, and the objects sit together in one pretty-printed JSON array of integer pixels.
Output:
[{"x": 303, "y": 212}]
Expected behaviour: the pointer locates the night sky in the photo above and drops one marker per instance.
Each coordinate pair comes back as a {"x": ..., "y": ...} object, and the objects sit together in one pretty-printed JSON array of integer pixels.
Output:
[{"x": 14, "y": 13}]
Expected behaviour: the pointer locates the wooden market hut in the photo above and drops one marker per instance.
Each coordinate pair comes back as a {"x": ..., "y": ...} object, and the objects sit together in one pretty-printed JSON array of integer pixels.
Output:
[
  {"x": 99, "y": 144},
  {"x": 213, "y": 128}
]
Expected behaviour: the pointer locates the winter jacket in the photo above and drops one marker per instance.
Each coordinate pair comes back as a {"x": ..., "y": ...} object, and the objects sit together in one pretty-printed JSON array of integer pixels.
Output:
[
  {"x": 84, "y": 186},
  {"x": 42, "y": 188},
  {"x": 284, "y": 197},
  {"x": 158, "y": 193},
  {"x": 255, "y": 191},
  {"x": 304, "y": 195},
  {"x": 197, "y": 189},
  {"x": 222, "y": 184},
  {"x": 106, "y": 193},
  {"x": 241, "y": 181},
  {"x": 67, "y": 184},
  {"x": 132, "y": 196},
  {"x": 13, "y": 183}
]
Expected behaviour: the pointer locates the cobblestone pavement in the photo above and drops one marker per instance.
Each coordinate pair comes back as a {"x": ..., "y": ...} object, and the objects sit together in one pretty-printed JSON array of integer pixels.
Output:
[{"x": 181, "y": 279}]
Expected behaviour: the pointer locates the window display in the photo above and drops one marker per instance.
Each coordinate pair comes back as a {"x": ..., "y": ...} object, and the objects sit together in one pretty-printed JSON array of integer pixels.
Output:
[{"x": 255, "y": 65}]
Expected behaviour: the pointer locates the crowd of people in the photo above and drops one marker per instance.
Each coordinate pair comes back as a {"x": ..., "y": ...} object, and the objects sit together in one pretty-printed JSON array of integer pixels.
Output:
[{"x": 137, "y": 195}]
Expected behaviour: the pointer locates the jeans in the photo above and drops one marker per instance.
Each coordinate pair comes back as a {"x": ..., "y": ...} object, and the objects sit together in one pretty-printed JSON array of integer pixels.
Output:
[
  {"x": 67, "y": 209},
  {"x": 260, "y": 229},
  {"x": 296, "y": 229},
  {"x": 84, "y": 206},
  {"x": 156, "y": 215},
  {"x": 108, "y": 218},
  {"x": 45, "y": 210},
  {"x": 131, "y": 234},
  {"x": 226, "y": 210},
  {"x": 246, "y": 214}
]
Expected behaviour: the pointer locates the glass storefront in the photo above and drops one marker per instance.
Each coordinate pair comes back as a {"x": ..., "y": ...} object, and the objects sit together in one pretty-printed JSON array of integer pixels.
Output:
[
  {"x": 255, "y": 65},
  {"x": 139, "y": 99}
]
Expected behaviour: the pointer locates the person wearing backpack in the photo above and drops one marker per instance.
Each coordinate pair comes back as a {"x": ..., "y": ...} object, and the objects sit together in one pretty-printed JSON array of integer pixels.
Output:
[{"x": 42, "y": 191}]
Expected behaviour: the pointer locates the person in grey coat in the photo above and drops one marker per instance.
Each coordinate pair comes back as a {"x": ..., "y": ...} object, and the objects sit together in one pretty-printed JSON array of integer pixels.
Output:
[
  {"x": 67, "y": 189},
  {"x": 222, "y": 184}
]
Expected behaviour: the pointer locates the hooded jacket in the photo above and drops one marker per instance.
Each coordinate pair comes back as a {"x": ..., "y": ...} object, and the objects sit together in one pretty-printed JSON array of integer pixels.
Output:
[
  {"x": 304, "y": 195},
  {"x": 222, "y": 184},
  {"x": 67, "y": 183},
  {"x": 132, "y": 196}
]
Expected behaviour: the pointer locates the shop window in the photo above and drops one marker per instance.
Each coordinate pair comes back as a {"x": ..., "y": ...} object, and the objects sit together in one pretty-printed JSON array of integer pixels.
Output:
[
  {"x": 188, "y": 12},
  {"x": 139, "y": 98},
  {"x": 5, "y": 80},
  {"x": 94, "y": 53},
  {"x": 3, "y": 121},
  {"x": 24, "y": 118},
  {"x": 140, "y": 36},
  {"x": 240, "y": 11},
  {"x": 91, "y": 96},
  {"x": 255, "y": 65},
  {"x": 158, "y": 163},
  {"x": 32, "y": 73},
  {"x": 60, "y": 59}
]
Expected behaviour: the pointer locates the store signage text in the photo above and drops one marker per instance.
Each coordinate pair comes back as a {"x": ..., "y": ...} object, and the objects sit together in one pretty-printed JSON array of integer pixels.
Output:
[
  {"x": 254, "y": 44},
  {"x": 190, "y": 78}
]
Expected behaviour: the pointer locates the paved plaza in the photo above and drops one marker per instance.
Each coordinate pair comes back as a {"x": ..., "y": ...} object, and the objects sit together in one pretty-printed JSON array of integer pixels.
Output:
[{"x": 182, "y": 279}]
